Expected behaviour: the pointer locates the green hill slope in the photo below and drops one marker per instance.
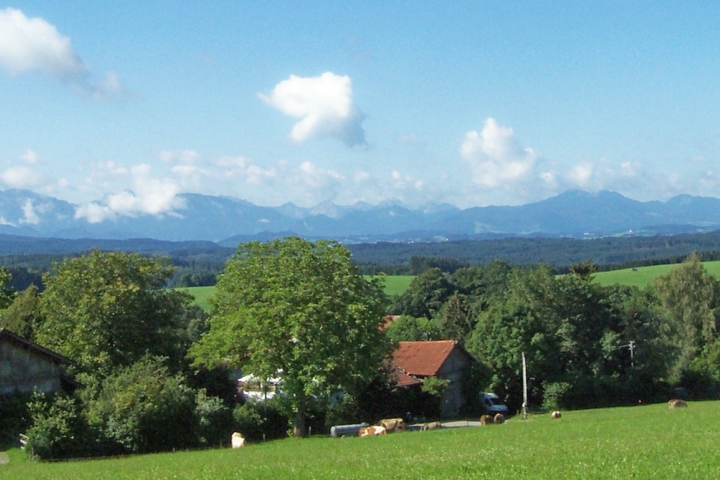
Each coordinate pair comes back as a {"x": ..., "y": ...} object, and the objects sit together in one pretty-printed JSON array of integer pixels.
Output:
[
  {"x": 648, "y": 441},
  {"x": 641, "y": 276}
]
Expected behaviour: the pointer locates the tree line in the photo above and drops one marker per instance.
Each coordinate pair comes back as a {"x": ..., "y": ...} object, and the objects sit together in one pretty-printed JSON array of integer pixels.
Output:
[
  {"x": 586, "y": 345},
  {"x": 199, "y": 263}
]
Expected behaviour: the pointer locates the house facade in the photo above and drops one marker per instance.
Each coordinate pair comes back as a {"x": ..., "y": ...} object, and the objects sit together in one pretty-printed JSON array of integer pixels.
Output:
[
  {"x": 444, "y": 359},
  {"x": 26, "y": 367}
]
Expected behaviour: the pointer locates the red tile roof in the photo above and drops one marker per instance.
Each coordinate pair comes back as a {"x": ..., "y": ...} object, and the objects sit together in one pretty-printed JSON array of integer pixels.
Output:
[
  {"x": 402, "y": 379},
  {"x": 422, "y": 359}
]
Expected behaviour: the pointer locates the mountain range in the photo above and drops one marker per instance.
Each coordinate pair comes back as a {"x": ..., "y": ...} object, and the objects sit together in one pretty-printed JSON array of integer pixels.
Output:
[{"x": 227, "y": 221}]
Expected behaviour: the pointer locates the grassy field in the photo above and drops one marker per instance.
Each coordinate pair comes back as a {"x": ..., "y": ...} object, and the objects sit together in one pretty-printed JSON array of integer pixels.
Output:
[
  {"x": 643, "y": 275},
  {"x": 202, "y": 295},
  {"x": 647, "y": 441},
  {"x": 397, "y": 284}
]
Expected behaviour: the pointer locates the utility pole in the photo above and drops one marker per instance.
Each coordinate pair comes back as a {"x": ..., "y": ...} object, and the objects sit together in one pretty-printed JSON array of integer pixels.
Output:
[
  {"x": 631, "y": 346},
  {"x": 524, "y": 405}
]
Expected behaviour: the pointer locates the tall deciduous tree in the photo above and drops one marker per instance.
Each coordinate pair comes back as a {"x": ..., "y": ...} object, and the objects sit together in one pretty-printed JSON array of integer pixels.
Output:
[
  {"x": 690, "y": 301},
  {"x": 426, "y": 294},
  {"x": 108, "y": 309},
  {"x": 6, "y": 295},
  {"x": 23, "y": 316},
  {"x": 299, "y": 308}
]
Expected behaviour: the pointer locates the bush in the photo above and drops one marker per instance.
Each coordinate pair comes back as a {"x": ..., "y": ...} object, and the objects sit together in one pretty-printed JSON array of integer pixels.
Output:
[
  {"x": 213, "y": 420},
  {"x": 555, "y": 396},
  {"x": 142, "y": 408},
  {"x": 261, "y": 421},
  {"x": 59, "y": 428}
]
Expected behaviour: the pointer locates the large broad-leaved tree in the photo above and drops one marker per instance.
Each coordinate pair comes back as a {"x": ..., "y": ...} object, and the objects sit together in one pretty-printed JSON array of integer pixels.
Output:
[
  {"x": 301, "y": 310},
  {"x": 107, "y": 309}
]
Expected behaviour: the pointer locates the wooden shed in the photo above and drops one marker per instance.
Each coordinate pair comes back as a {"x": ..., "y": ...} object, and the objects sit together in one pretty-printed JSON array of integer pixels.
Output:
[
  {"x": 26, "y": 366},
  {"x": 444, "y": 359}
]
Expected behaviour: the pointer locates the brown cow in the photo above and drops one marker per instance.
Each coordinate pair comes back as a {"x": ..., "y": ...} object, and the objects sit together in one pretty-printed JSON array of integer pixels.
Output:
[
  {"x": 486, "y": 420},
  {"x": 677, "y": 403},
  {"x": 430, "y": 426},
  {"x": 392, "y": 424},
  {"x": 499, "y": 418},
  {"x": 372, "y": 431}
]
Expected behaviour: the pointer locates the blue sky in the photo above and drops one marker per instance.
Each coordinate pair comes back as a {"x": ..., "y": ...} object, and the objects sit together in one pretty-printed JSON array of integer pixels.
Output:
[{"x": 121, "y": 106}]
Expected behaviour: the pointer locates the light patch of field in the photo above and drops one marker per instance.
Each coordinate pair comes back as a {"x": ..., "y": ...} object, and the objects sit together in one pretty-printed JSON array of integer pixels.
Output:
[
  {"x": 397, "y": 284},
  {"x": 202, "y": 295}
]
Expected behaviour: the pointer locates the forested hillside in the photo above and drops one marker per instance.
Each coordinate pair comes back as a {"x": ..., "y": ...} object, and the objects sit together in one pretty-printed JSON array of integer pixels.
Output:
[{"x": 198, "y": 263}]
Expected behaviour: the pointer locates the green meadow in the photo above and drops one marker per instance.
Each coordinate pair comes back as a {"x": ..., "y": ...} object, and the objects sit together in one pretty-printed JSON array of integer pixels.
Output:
[
  {"x": 646, "y": 441},
  {"x": 202, "y": 295},
  {"x": 643, "y": 275},
  {"x": 397, "y": 284}
]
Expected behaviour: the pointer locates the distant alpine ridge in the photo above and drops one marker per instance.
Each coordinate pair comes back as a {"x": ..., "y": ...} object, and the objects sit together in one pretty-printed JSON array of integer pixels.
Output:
[{"x": 227, "y": 221}]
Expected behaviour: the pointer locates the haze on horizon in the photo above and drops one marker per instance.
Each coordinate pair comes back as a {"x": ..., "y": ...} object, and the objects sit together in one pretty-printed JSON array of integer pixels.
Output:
[{"x": 121, "y": 107}]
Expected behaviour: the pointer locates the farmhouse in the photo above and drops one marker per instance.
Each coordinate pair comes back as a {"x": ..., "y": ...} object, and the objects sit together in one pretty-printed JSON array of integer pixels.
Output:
[
  {"x": 444, "y": 359},
  {"x": 26, "y": 366},
  {"x": 252, "y": 388}
]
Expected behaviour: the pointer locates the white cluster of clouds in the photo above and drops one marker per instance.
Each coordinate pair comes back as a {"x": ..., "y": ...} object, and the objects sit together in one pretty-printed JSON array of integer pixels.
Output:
[
  {"x": 33, "y": 44},
  {"x": 498, "y": 162},
  {"x": 504, "y": 172},
  {"x": 324, "y": 106},
  {"x": 149, "y": 195}
]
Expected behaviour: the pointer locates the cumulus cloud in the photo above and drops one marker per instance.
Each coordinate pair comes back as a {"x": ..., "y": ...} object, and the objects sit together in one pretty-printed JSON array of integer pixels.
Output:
[
  {"x": 30, "y": 216},
  {"x": 311, "y": 183},
  {"x": 33, "y": 44},
  {"x": 149, "y": 196},
  {"x": 496, "y": 157},
  {"x": 506, "y": 172},
  {"x": 193, "y": 170},
  {"x": 30, "y": 157},
  {"x": 21, "y": 177},
  {"x": 324, "y": 106}
]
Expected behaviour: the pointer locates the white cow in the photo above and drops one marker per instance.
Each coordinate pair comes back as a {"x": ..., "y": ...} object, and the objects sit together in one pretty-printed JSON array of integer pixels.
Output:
[{"x": 237, "y": 440}]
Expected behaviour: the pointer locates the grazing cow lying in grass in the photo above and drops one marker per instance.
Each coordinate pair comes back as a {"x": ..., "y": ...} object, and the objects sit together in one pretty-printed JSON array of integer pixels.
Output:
[
  {"x": 430, "y": 426},
  {"x": 556, "y": 414},
  {"x": 392, "y": 424},
  {"x": 237, "y": 440},
  {"x": 677, "y": 403},
  {"x": 372, "y": 431},
  {"x": 499, "y": 418}
]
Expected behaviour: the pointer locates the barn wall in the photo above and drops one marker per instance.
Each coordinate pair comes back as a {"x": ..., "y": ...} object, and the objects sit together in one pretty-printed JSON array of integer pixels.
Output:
[
  {"x": 23, "y": 370},
  {"x": 454, "y": 370}
]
